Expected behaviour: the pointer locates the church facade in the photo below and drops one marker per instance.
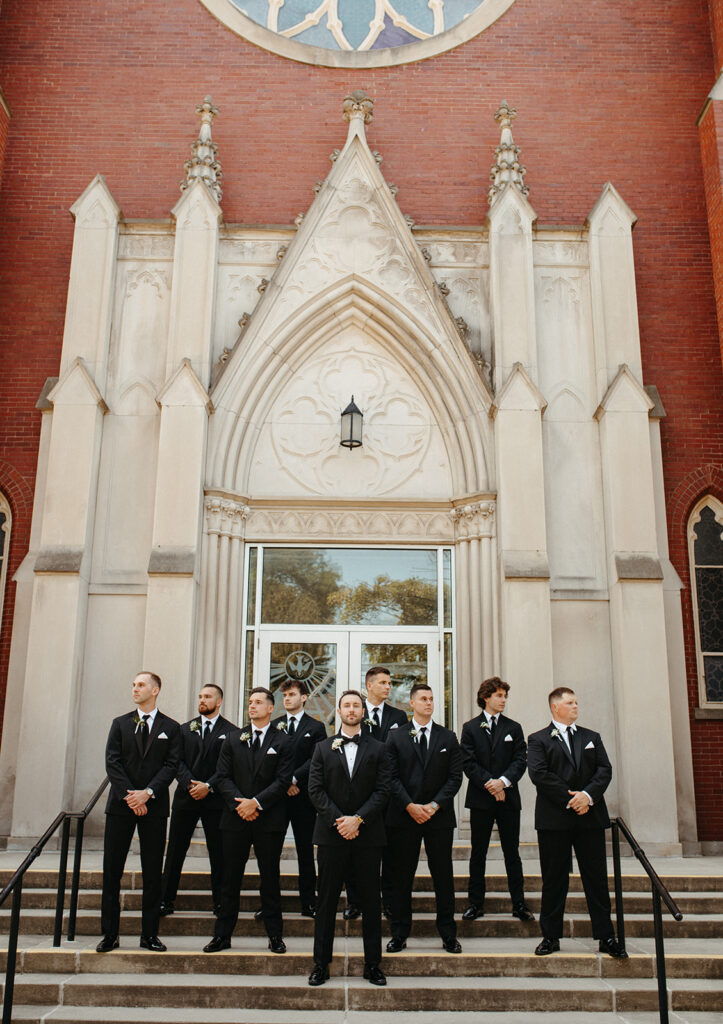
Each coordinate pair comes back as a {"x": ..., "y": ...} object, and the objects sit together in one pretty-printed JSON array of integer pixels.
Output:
[{"x": 453, "y": 441}]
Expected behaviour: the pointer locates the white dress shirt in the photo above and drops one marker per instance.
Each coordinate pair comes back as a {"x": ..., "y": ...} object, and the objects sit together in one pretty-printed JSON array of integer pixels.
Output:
[
  {"x": 350, "y": 750},
  {"x": 496, "y": 719}
]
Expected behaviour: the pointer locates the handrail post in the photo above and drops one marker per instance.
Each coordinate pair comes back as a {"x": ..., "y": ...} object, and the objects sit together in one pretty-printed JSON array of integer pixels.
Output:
[
  {"x": 12, "y": 953},
  {"x": 619, "y": 911},
  {"x": 660, "y": 958},
  {"x": 75, "y": 886},
  {"x": 62, "y": 870}
]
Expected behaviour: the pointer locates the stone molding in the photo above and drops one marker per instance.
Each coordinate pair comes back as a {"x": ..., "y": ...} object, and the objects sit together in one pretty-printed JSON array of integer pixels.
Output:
[
  {"x": 525, "y": 565},
  {"x": 225, "y": 517},
  {"x": 349, "y": 524},
  {"x": 172, "y": 562},
  {"x": 59, "y": 560}
]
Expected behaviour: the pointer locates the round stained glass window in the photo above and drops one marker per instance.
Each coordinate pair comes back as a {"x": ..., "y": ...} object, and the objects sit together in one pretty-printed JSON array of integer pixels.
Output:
[{"x": 357, "y": 33}]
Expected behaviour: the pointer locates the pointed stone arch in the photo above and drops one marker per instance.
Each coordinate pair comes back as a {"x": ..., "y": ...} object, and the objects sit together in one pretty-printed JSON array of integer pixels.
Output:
[{"x": 442, "y": 367}]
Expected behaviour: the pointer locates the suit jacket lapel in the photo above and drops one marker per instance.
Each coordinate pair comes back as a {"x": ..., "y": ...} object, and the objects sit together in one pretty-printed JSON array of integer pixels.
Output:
[
  {"x": 415, "y": 745},
  {"x": 266, "y": 743},
  {"x": 433, "y": 741},
  {"x": 577, "y": 748},
  {"x": 339, "y": 752},
  {"x": 154, "y": 732},
  {"x": 360, "y": 755},
  {"x": 560, "y": 740}
]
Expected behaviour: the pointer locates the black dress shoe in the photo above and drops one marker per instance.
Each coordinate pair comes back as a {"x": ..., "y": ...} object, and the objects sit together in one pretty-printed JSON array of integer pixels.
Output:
[
  {"x": 612, "y": 948},
  {"x": 319, "y": 975},
  {"x": 259, "y": 914},
  {"x": 217, "y": 944},
  {"x": 375, "y": 974},
  {"x": 396, "y": 945},
  {"x": 307, "y": 910},
  {"x": 473, "y": 911},
  {"x": 523, "y": 912},
  {"x": 548, "y": 946},
  {"x": 277, "y": 944},
  {"x": 451, "y": 945},
  {"x": 351, "y": 912},
  {"x": 153, "y": 943},
  {"x": 107, "y": 943},
  {"x": 166, "y": 909}
]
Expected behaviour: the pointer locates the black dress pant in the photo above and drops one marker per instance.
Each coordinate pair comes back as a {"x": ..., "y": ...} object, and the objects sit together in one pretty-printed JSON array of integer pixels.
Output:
[
  {"x": 387, "y": 881},
  {"x": 236, "y": 848},
  {"x": 302, "y": 815},
  {"x": 406, "y": 844},
  {"x": 508, "y": 826},
  {"x": 555, "y": 852},
  {"x": 119, "y": 831},
  {"x": 180, "y": 832},
  {"x": 335, "y": 862}
]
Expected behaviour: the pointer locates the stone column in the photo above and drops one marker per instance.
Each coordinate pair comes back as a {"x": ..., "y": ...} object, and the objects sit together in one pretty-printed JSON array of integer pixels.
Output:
[
  {"x": 173, "y": 566},
  {"x": 219, "y": 653},
  {"x": 637, "y": 616}
]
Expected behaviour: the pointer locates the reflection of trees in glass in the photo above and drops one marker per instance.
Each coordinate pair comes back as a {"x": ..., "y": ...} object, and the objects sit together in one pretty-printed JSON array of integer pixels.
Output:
[
  {"x": 410, "y": 602},
  {"x": 298, "y": 586}
]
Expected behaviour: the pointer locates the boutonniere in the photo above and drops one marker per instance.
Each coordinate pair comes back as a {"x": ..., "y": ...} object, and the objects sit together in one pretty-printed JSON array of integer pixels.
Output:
[
  {"x": 194, "y": 726},
  {"x": 245, "y": 736},
  {"x": 338, "y": 742},
  {"x": 555, "y": 732},
  {"x": 485, "y": 725},
  {"x": 139, "y": 722},
  {"x": 412, "y": 733},
  {"x": 281, "y": 726},
  {"x": 369, "y": 722}
]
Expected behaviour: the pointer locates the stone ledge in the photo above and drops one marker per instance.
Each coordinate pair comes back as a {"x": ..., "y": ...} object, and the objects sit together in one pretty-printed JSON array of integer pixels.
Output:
[
  {"x": 172, "y": 562},
  {"x": 636, "y": 566},
  {"x": 525, "y": 565},
  {"x": 59, "y": 560},
  {"x": 708, "y": 714}
]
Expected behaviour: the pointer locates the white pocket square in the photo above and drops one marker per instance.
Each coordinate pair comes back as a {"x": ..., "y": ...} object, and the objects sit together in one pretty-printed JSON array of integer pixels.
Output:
[
  {"x": 590, "y": 746},
  {"x": 270, "y": 751},
  {"x": 162, "y": 736},
  {"x": 443, "y": 750},
  {"x": 307, "y": 735},
  {"x": 223, "y": 736},
  {"x": 395, "y": 726},
  {"x": 508, "y": 738}
]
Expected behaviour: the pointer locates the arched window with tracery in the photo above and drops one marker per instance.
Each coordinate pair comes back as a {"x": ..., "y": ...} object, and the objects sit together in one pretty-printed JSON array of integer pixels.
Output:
[
  {"x": 5, "y": 524},
  {"x": 705, "y": 549}
]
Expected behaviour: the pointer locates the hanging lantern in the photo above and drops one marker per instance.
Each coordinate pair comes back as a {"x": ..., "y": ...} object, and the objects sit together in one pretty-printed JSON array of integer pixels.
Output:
[{"x": 351, "y": 426}]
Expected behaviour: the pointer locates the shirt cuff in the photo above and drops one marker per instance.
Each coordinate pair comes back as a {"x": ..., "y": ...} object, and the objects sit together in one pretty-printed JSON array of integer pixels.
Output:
[
  {"x": 258, "y": 805},
  {"x": 588, "y": 796},
  {"x": 503, "y": 778},
  {"x": 293, "y": 779}
]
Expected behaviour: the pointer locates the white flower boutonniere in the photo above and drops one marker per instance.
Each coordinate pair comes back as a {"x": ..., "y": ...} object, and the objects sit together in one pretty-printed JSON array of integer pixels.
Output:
[
  {"x": 485, "y": 725},
  {"x": 338, "y": 742},
  {"x": 555, "y": 732},
  {"x": 194, "y": 726},
  {"x": 245, "y": 737},
  {"x": 369, "y": 722},
  {"x": 281, "y": 726},
  {"x": 412, "y": 733}
]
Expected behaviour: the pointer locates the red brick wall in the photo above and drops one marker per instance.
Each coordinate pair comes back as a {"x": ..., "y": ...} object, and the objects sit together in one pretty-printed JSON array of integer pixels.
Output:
[
  {"x": 716, "y": 27},
  {"x": 606, "y": 90}
]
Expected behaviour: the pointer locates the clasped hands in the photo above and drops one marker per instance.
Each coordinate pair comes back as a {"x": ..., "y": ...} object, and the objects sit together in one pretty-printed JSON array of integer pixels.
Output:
[
  {"x": 347, "y": 826},
  {"x": 246, "y": 808},
  {"x": 137, "y": 800},
  {"x": 496, "y": 788},
  {"x": 198, "y": 790},
  {"x": 421, "y": 812},
  {"x": 580, "y": 802}
]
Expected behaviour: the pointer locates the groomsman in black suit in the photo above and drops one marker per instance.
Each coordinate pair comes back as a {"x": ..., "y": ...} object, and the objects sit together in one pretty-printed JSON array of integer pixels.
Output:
[
  {"x": 141, "y": 759},
  {"x": 201, "y": 742},
  {"x": 252, "y": 775},
  {"x": 304, "y": 732},
  {"x": 571, "y": 770},
  {"x": 381, "y": 719},
  {"x": 425, "y": 762},
  {"x": 349, "y": 787},
  {"x": 495, "y": 758}
]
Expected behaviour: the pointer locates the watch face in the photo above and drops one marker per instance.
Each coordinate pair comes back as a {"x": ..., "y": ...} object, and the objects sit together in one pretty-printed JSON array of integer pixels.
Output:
[{"x": 357, "y": 33}]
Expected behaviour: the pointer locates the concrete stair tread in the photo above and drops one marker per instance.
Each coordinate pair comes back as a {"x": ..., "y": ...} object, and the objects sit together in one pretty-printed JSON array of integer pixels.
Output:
[{"x": 180, "y": 1015}]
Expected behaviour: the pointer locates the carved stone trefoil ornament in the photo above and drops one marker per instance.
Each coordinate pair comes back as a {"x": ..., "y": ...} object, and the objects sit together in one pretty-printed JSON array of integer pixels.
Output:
[
  {"x": 358, "y": 105},
  {"x": 507, "y": 169},
  {"x": 204, "y": 151}
]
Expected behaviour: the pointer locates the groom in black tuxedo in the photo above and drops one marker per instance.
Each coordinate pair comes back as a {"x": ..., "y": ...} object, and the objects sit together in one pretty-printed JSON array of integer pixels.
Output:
[
  {"x": 252, "y": 775},
  {"x": 141, "y": 759},
  {"x": 349, "y": 787},
  {"x": 495, "y": 759},
  {"x": 571, "y": 770},
  {"x": 425, "y": 762},
  {"x": 201, "y": 742}
]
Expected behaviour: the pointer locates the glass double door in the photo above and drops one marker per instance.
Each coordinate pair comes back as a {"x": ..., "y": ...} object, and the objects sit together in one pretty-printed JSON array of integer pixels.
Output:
[{"x": 331, "y": 661}]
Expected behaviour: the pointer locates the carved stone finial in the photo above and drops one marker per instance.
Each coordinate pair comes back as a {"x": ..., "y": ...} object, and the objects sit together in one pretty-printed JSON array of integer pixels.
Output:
[
  {"x": 203, "y": 163},
  {"x": 507, "y": 169},
  {"x": 358, "y": 105}
]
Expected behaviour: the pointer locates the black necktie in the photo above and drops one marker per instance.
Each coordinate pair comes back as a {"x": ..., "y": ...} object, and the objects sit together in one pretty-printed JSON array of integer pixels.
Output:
[
  {"x": 256, "y": 745},
  {"x": 375, "y": 716},
  {"x": 493, "y": 728},
  {"x": 570, "y": 738},
  {"x": 423, "y": 742},
  {"x": 292, "y": 726},
  {"x": 146, "y": 733},
  {"x": 206, "y": 730}
]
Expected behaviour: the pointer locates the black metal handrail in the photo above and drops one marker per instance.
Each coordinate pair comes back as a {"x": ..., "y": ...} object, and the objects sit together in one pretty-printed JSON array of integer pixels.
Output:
[
  {"x": 15, "y": 886},
  {"x": 660, "y": 895}
]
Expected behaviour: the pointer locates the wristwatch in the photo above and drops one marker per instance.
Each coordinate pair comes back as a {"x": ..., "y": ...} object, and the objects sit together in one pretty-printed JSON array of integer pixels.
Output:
[
  {"x": 435, "y": 805},
  {"x": 360, "y": 819},
  {"x": 149, "y": 791}
]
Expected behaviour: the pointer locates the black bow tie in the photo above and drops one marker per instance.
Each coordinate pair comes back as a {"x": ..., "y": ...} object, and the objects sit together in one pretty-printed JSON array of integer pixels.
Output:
[{"x": 351, "y": 739}]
